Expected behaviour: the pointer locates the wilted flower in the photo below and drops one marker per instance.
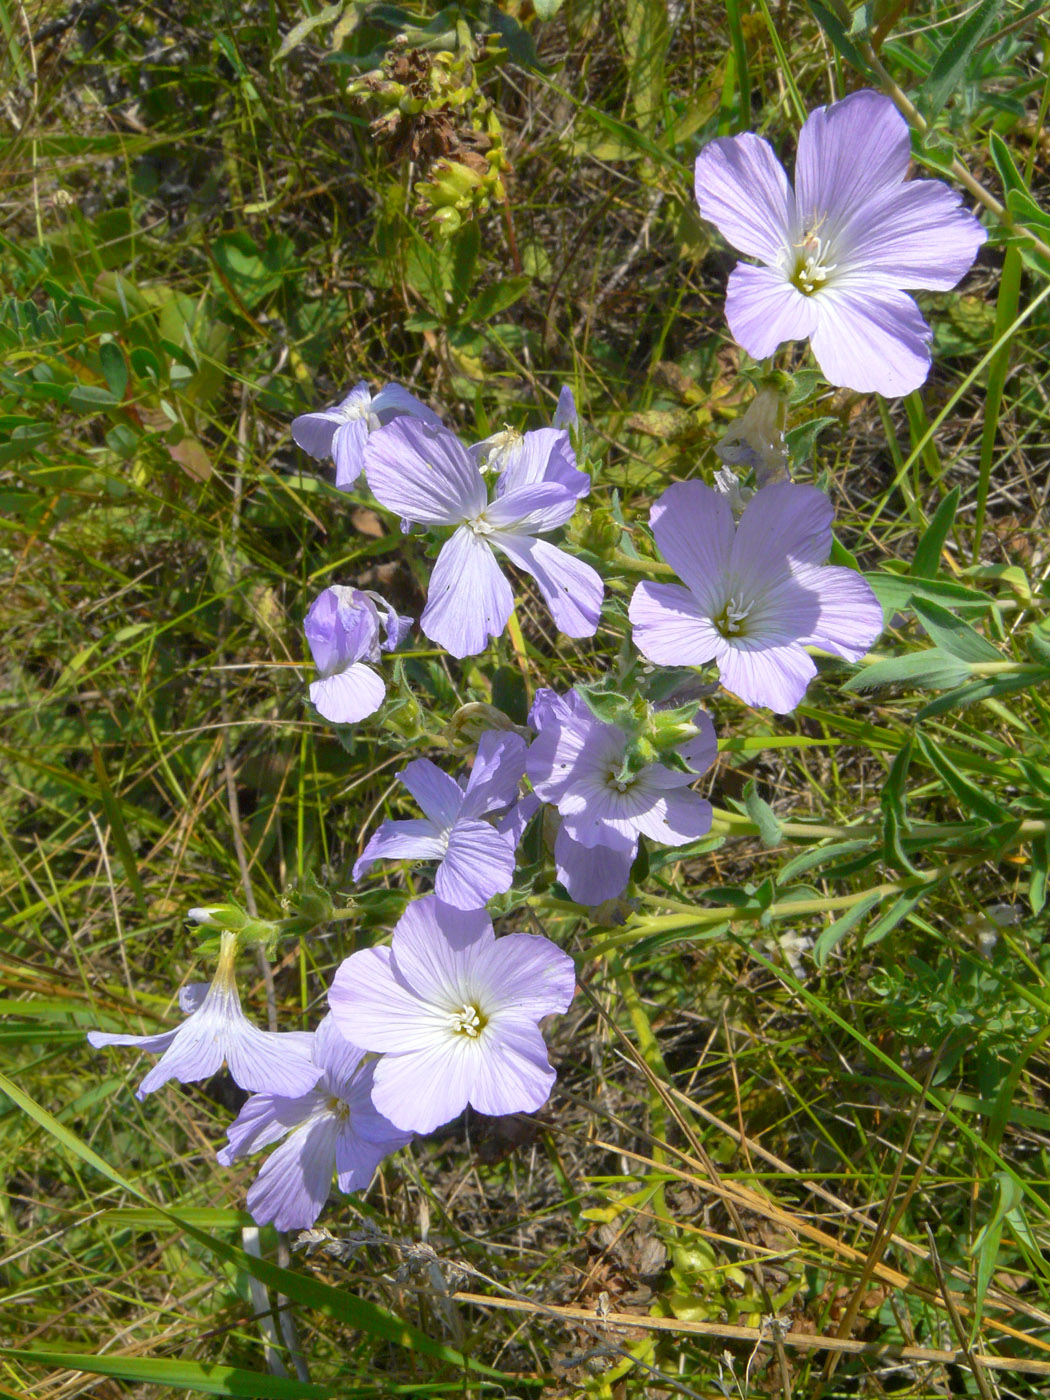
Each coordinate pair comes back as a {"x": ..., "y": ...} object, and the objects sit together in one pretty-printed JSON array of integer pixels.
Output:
[
  {"x": 838, "y": 250},
  {"x": 475, "y": 860},
  {"x": 217, "y": 1030},
  {"x": 331, "y": 1128},
  {"x": 607, "y": 797},
  {"x": 454, "y": 1012},
  {"x": 343, "y": 629},
  {"x": 341, "y": 432},
  {"x": 756, "y": 593},
  {"x": 426, "y": 475}
]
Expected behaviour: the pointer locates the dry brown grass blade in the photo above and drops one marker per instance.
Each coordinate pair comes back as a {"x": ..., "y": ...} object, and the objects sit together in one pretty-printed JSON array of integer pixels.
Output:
[{"x": 804, "y": 1341}]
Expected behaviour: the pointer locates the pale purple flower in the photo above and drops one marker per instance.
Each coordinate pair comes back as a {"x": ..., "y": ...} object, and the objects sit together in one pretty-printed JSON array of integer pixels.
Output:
[
  {"x": 757, "y": 593},
  {"x": 454, "y": 1012},
  {"x": 581, "y": 764},
  {"x": 838, "y": 250},
  {"x": 427, "y": 476},
  {"x": 565, "y": 415},
  {"x": 476, "y": 860},
  {"x": 346, "y": 628},
  {"x": 332, "y": 1128},
  {"x": 341, "y": 432},
  {"x": 216, "y": 1029}
]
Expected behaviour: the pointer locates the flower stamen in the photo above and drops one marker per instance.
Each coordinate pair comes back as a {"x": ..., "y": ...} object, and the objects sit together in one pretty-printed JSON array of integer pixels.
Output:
[{"x": 468, "y": 1021}]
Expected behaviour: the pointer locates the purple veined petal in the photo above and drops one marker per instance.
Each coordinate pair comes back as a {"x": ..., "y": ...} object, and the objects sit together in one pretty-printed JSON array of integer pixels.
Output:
[
  {"x": 437, "y": 795},
  {"x": 195, "y": 1052},
  {"x": 544, "y": 456},
  {"x": 152, "y": 1044},
  {"x": 265, "y": 1119},
  {"x": 365, "y": 1121},
  {"x": 548, "y": 707},
  {"x": 422, "y": 1089},
  {"x": 693, "y": 528},
  {"x": 571, "y": 589},
  {"x": 565, "y": 415},
  {"x": 592, "y": 874},
  {"x": 352, "y": 695},
  {"x": 782, "y": 524},
  {"x": 370, "y": 1002},
  {"x": 871, "y": 338},
  {"x": 415, "y": 839},
  {"x": 513, "y": 823},
  {"x": 435, "y": 946},
  {"x": 513, "y": 1075},
  {"x": 294, "y": 1182},
  {"x": 570, "y": 748},
  {"x": 670, "y": 628},
  {"x": 849, "y": 153},
  {"x": 764, "y": 310},
  {"x": 850, "y": 620},
  {"x": 348, "y": 447},
  {"x": 531, "y": 510},
  {"x": 265, "y": 1062},
  {"x": 919, "y": 236},
  {"x": 527, "y": 975},
  {"x": 673, "y": 816},
  {"x": 423, "y": 474},
  {"x": 314, "y": 432},
  {"x": 394, "y": 400},
  {"x": 775, "y": 676},
  {"x": 499, "y": 766},
  {"x": 356, "y": 1159},
  {"x": 395, "y": 627},
  {"x": 339, "y": 1058},
  {"x": 469, "y": 600},
  {"x": 742, "y": 189},
  {"x": 341, "y": 627},
  {"x": 478, "y": 864}
]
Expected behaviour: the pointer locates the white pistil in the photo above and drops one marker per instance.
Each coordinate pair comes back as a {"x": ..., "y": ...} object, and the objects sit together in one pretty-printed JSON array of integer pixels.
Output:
[
  {"x": 812, "y": 265},
  {"x": 735, "y": 616},
  {"x": 480, "y": 525},
  {"x": 467, "y": 1022}
]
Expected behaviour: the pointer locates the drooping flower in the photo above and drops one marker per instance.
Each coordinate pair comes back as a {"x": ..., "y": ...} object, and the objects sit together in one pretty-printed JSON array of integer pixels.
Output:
[
  {"x": 454, "y": 1012},
  {"x": 756, "y": 593},
  {"x": 341, "y": 432},
  {"x": 343, "y": 629},
  {"x": 332, "y": 1128},
  {"x": 581, "y": 764},
  {"x": 427, "y": 476},
  {"x": 217, "y": 1030},
  {"x": 475, "y": 861},
  {"x": 841, "y": 249}
]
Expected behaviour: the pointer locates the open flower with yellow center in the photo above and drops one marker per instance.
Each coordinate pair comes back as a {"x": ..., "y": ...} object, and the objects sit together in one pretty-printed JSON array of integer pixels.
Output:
[
  {"x": 454, "y": 1012},
  {"x": 838, "y": 250}
]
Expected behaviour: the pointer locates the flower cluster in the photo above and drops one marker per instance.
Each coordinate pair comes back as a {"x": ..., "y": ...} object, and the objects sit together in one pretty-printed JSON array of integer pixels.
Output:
[{"x": 447, "y": 1015}]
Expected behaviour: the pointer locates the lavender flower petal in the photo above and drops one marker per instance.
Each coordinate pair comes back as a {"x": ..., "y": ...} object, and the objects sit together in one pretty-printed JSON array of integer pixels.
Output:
[
  {"x": 872, "y": 339},
  {"x": 415, "y": 839},
  {"x": 478, "y": 864},
  {"x": 315, "y": 432},
  {"x": 592, "y": 874},
  {"x": 764, "y": 309},
  {"x": 351, "y": 696},
  {"x": 498, "y": 768},
  {"x": 438, "y": 796},
  {"x": 670, "y": 626},
  {"x": 850, "y": 619},
  {"x": 469, "y": 600},
  {"x": 571, "y": 589},
  {"x": 348, "y": 448},
  {"x": 694, "y": 528},
  {"x": 742, "y": 189},
  {"x": 423, "y": 473},
  {"x": 294, "y": 1182},
  {"x": 849, "y": 154}
]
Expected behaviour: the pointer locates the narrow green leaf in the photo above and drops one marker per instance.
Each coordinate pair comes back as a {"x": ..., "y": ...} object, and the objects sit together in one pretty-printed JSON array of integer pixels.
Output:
[
  {"x": 923, "y": 670},
  {"x": 987, "y": 688},
  {"x": 830, "y": 937},
  {"x": 1002, "y": 159},
  {"x": 897, "y": 912},
  {"x": 949, "y": 633},
  {"x": 1038, "y": 876},
  {"x": 497, "y": 298},
  {"x": 762, "y": 814},
  {"x": 971, "y": 798},
  {"x": 201, "y": 1378},
  {"x": 114, "y": 368},
  {"x": 298, "y": 32},
  {"x": 896, "y": 591},
  {"x": 949, "y": 71},
  {"x": 927, "y": 560},
  {"x": 893, "y": 801},
  {"x": 836, "y": 32},
  {"x": 115, "y": 817}
]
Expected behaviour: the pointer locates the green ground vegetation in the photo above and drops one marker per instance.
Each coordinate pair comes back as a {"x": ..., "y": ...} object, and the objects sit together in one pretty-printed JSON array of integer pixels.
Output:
[{"x": 803, "y": 1087}]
